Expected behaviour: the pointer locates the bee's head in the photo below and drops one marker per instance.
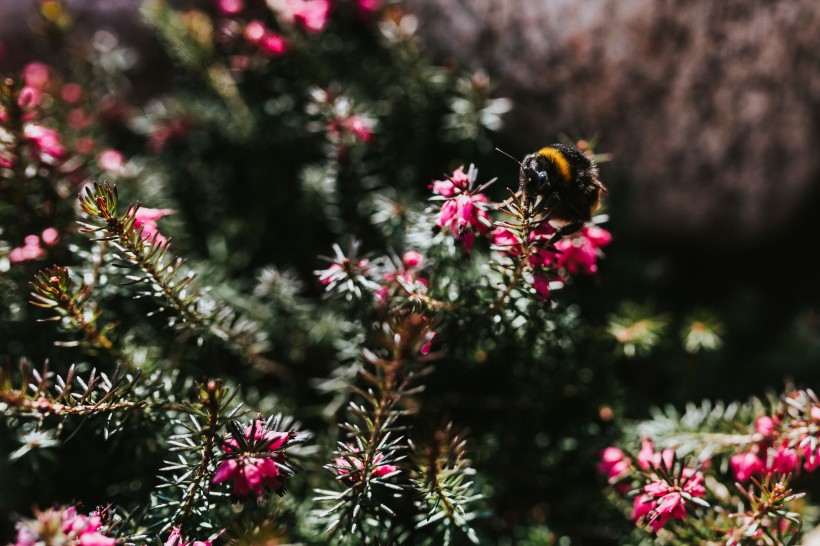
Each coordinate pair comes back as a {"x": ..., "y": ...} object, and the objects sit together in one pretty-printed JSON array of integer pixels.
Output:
[{"x": 538, "y": 172}]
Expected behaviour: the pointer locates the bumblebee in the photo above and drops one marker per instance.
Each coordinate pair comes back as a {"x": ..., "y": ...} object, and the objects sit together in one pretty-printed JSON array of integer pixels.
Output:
[{"x": 563, "y": 181}]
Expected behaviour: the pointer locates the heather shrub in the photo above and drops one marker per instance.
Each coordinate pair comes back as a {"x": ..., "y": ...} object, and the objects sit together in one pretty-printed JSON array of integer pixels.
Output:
[{"x": 292, "y": 295}]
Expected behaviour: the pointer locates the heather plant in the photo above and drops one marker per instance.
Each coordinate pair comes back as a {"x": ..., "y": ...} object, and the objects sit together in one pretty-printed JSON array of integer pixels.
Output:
[{"x": 275, "y": 299}]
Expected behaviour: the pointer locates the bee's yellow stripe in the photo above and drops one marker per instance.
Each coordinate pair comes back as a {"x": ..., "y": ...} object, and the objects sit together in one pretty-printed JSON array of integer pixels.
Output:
[{"x": 558, "y": 160}]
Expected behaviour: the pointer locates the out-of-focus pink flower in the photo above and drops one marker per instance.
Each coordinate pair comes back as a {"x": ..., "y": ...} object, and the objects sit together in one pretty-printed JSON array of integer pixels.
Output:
[
  {"x": 71, "y": 93},
  {"x": 146, "y": 218},
  {"x": 63, "y": 527},
  {"x": 614, "y": 463},
  {"x": 746, "y": 465},
  {"x": 309, "y": 14},
  {"x": 785, "y": 460},
  {"x": 29, "y": 97},
  {"x": 50, "y": 236},
  {"x": 231, "y": 7},
  {"x": 765, "y": 425},
  {"x": 254, "y": 31},
  {"x": 368, "y": 7},
  {"x": 359, "y": 127},
  {"x": 268, "y": 42},
  {"x": 251, "y": 472},
  {"x": 427, "y": 346},
  {"x": 36, "y": 74},
  {"x": 412, "y": 259},
  {"x": 811, "y": 458},
  {"x": 343, "y": 468},
  {"x": 31, "y": 250},
  {"x": 662, "y": 500},
  {"x": 541, "y": 283},
  {"x": 46, "y": 141},
  {"x": 110, "y": 160},
  {"x": 273, "y": 44}
]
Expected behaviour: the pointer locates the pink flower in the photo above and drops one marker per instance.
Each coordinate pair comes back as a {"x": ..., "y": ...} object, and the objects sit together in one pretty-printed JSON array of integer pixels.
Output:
[
  {"x": 648, "y": 459},
  {"x": 31, "y": 250},
  {"x": 507, "y": 242},
  {"x": 746, "y": 465},
  {"x": 268, "y": 42},
  {"x": 36, "y": 74},
  {"x": 231, "y": 7},
  {"x": 412, "y": 259},
  {"x": 368, "y": 7},
  {"x": 63, "y": 527},
  {"x": 310, "y": 14},
  {"x": 50, "y": 236},
  {"x": 29, "y": 97},
  {"x": 254, "y": 31},
  {"x": 359, "y": 127},
  {"x": 579, "y": 254},
  {"x": 464, "y": 217},
  {"x": 254, "y": 470},
  {"x": 614, "y": 463},
  {"x": 541, "y": 283},
  {"x": 765, "y": 425},
  {"x": 811, "y": 459},
  {"x": 146, "y": 219},
  {"x": 110, "y": 160},
  {"x": 427, "y": 346},
  {"x": 71, "y": 93},
  {"x": 785, "y": 460},
  {"x": 662, "y": 500},
  {"x": 456, "y": 183},
  {"x": 46, "y": 142},
  {"x": 273, "y": 44},
  {"x": 343, "y": 468}
]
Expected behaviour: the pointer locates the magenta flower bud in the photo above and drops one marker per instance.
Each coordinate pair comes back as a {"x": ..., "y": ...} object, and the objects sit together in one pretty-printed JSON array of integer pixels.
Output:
[
  {"x": 231, "y": 7},
  {"x": 412, "y": 259},
  {"x": 273, "y": 44}
]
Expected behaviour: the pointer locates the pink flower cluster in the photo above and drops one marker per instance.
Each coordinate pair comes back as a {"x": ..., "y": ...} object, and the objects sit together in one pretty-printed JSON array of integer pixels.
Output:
[
  {"x": 31, "y": 249},
  {"x": 463, "y": 211},
  {"x": 777, "y": 451},
  {"x": 378, "y": 470},
  {"x": 62, "y": 527},
  {"x": 576, "y": 255},
  {"x": 663, "y": 500},
  {"x": 255, "y": 468}
]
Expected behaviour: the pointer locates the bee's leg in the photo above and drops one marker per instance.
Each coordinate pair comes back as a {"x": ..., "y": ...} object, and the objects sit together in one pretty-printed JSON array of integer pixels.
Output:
[{"x": 563, "y": 231}]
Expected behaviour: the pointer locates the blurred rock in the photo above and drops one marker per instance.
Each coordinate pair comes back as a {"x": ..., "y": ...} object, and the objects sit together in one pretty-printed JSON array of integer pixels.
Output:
[{"x": 712, "y": 109}]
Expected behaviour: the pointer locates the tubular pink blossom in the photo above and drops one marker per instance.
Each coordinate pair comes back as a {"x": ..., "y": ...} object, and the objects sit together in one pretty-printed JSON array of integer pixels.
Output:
[
  {"x": 146, "y": 218},
  {"x": 746, "y": 465}
]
